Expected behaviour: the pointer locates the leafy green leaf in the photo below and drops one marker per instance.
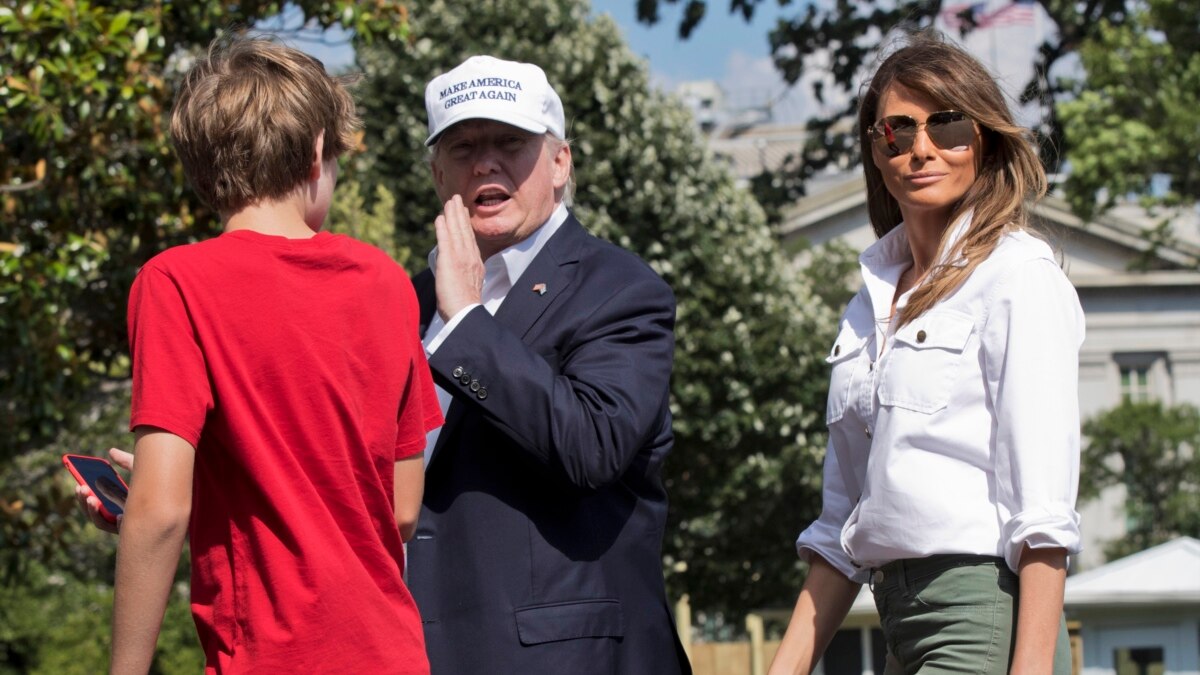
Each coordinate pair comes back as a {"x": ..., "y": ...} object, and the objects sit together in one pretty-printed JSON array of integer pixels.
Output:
[{"x": 119, "y": 22}]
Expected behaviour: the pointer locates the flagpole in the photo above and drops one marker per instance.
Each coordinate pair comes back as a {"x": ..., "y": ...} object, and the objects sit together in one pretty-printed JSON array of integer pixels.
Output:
[{"x": 995, "y": 59}]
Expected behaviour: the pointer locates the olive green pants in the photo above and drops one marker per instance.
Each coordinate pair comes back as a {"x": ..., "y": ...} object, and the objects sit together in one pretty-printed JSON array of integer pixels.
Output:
[{"x": 952, "y": 614}]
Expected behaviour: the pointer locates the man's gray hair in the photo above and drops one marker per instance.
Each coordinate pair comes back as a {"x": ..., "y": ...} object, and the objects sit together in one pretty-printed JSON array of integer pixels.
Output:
[{"x": 553, "y": 145}]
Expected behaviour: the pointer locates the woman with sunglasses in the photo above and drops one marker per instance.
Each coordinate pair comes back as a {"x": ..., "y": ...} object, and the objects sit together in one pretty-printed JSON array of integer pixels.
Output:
[{"x": 952, "y": 467}]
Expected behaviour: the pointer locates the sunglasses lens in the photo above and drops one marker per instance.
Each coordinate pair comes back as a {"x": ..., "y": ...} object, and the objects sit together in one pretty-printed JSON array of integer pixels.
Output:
[
  {"x": 894, "y": 134},
  {"x": 950, "y": 130}
]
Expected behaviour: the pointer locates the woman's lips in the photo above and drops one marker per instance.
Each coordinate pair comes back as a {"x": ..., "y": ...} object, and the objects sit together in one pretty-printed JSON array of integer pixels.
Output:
[{"x": 924, "y": 178}]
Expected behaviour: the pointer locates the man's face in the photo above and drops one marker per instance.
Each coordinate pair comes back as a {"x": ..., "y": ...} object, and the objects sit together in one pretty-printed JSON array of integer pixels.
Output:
[{"x": 509, "y": 179}]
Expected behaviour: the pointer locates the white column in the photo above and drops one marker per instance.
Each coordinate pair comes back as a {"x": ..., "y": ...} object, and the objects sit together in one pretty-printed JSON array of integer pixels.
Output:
[{"x": 864, "y": 635}]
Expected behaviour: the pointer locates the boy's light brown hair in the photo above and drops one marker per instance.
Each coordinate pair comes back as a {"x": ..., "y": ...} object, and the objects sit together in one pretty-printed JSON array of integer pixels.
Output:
[{"x": 247, "y": 116}]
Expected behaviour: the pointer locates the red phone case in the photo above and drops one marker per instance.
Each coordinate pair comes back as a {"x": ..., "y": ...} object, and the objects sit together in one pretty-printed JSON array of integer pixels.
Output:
[{"x": 66, "y": 460}]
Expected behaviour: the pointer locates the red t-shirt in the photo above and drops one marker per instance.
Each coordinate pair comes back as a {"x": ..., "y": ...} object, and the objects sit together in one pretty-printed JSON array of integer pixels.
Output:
[{"x": 295, "y": 369}]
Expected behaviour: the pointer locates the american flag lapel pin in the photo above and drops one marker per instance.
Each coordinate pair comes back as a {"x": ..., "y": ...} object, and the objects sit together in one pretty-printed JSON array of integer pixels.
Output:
[{"x": 540, "y": 289}]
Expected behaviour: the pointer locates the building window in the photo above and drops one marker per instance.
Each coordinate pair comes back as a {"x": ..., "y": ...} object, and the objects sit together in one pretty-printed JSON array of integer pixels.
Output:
[
  {"x": 1139, "y": 661},
  {"x": 1144, "y": 376},
  {"x": 1135, "y": 383}
]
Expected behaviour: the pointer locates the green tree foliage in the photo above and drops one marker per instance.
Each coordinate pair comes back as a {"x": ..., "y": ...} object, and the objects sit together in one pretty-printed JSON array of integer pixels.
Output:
[
  {"x": 750, "y": 379},
  {"x": 56, "y": 571},
  {"x": 830, "y": 269},
  {"x": 843, "y": 38},
  {"x": 56, "y": 624},
  {"x": 374, "y": 224},
  {"x": 1154, "y": 452},
  {"x": 89, "y": 189},
  {"x": 1137, "y": 114}
]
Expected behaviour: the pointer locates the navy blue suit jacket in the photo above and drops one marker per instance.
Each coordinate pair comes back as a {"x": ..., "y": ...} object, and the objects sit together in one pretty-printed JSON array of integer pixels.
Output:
[{"x": 538, "y": 548}]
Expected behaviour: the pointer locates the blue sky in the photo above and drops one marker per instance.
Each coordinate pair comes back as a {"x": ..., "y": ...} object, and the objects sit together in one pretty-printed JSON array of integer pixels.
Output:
[
  {"x": 724, "y": 48},
  {"x": 735, "y": 53},
  {"x": 705, "y": 54}
]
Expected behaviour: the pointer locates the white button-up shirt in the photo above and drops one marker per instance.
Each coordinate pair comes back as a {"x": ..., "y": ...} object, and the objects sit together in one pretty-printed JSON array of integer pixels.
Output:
[
  {"x": 959, "y": 432},
  {"x": 500, "y": 272}
]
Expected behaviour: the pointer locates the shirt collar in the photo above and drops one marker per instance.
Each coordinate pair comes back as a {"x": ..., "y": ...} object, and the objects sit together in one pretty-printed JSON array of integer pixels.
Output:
[
  {"x": 517, "y": 258},
  {"x": 892, "y": 248},
  {"x": 884, "y": 261},
  {"x": 520, "y": 255}
]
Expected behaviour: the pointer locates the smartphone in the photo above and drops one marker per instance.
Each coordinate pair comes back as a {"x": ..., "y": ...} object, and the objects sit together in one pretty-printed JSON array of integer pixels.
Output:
[{"x": 103, "y": 479}]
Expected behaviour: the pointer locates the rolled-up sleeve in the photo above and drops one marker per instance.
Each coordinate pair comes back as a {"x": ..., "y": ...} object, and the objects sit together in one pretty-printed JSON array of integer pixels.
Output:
[
  {"x": 1030, "y": 343},
  {"x": 824, "y": 536}
]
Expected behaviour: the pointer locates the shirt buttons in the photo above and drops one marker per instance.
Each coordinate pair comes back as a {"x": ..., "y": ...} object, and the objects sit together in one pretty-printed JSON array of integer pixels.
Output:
[
  {"x": 867, "y": 431},
  {"x": 837, "y": 349},
  {"x": 920, "y": 336}
]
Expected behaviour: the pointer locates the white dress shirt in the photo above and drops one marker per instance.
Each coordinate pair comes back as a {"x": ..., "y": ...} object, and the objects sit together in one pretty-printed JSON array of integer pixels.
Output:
[
  {"x": 500, "y": 272},
  {"x": 959, "y": 432}
]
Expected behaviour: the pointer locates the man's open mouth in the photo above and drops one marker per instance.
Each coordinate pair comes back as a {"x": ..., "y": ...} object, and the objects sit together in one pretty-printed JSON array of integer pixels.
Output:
[{"x": 491, "y": 198}]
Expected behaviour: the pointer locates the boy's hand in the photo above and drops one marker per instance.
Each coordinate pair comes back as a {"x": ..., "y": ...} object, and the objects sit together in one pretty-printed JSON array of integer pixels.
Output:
[
  {"x": 90, "y": 504},
  {"x": 459, "y": 270}
]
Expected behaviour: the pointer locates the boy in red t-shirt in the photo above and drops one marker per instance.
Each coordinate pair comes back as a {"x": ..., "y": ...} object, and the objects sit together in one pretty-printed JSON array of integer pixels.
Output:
[{"x": 280, "y": 395}]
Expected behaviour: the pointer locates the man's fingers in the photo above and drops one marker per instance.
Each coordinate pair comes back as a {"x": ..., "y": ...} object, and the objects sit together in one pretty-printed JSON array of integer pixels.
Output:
[
  {"x": 458, "y": 226},
  {"x": 439, "y": 230},
  {"x": 459, "y": 268},
  {"x": 460, "y": 219},
  {"x": 452, "y": 222}
]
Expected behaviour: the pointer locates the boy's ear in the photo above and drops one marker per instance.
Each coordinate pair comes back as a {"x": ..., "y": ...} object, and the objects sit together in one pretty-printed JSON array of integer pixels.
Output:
[{"x": 314, "y": 171}]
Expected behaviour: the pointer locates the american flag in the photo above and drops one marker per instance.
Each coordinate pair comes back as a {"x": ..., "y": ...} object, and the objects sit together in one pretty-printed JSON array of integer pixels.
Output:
[
  {"x": 1015, "y": 13},
  {"x": 1019, "y": 13},
  {"x": 955, "y": 15}
]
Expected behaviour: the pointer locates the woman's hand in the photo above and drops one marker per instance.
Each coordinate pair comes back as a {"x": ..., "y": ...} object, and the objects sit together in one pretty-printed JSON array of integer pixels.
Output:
[{"x": 823, "y": 604}]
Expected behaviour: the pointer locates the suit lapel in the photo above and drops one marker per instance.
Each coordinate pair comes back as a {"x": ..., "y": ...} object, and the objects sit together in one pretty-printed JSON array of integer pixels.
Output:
[{"x": 548, "y": 275}]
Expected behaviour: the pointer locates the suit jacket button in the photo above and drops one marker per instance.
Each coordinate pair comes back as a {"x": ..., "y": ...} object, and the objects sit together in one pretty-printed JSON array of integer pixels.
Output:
[
  {"x": 457, "y": 372},
  {"x": 482, "y": 393},
  {"x": 474, "y": 386},
  {"x": 465, "y": 378}
]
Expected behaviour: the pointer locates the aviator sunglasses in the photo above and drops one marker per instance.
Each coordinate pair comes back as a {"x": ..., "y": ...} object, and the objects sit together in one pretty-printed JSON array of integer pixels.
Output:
[{"x": 948, "y": 129}]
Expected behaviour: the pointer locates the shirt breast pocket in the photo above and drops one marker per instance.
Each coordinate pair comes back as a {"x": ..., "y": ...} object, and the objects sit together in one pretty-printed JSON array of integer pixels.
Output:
[
  {"x": 844, "y": 357},
  {"x": 926, "y": 354}
]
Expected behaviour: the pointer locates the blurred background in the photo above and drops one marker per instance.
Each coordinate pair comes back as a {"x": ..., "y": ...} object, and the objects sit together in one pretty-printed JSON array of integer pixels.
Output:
[{"x": 714, "y": 138}]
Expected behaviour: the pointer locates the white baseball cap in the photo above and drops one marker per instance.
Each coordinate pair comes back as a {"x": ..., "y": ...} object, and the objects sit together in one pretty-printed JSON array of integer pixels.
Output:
[{"x": 484, "y": 87}]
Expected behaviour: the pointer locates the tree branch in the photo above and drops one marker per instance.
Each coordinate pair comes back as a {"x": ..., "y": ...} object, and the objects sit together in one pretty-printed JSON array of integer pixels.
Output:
[{"x": 22, "y": 187}]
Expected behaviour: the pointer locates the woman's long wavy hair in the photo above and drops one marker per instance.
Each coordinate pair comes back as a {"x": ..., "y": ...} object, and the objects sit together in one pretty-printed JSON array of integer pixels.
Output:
[{"x": 1008, "y": 172}]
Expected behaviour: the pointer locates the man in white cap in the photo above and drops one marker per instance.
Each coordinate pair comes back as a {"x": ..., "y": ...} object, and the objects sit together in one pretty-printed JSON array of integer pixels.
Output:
[{"x": 538, "y": 549}]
